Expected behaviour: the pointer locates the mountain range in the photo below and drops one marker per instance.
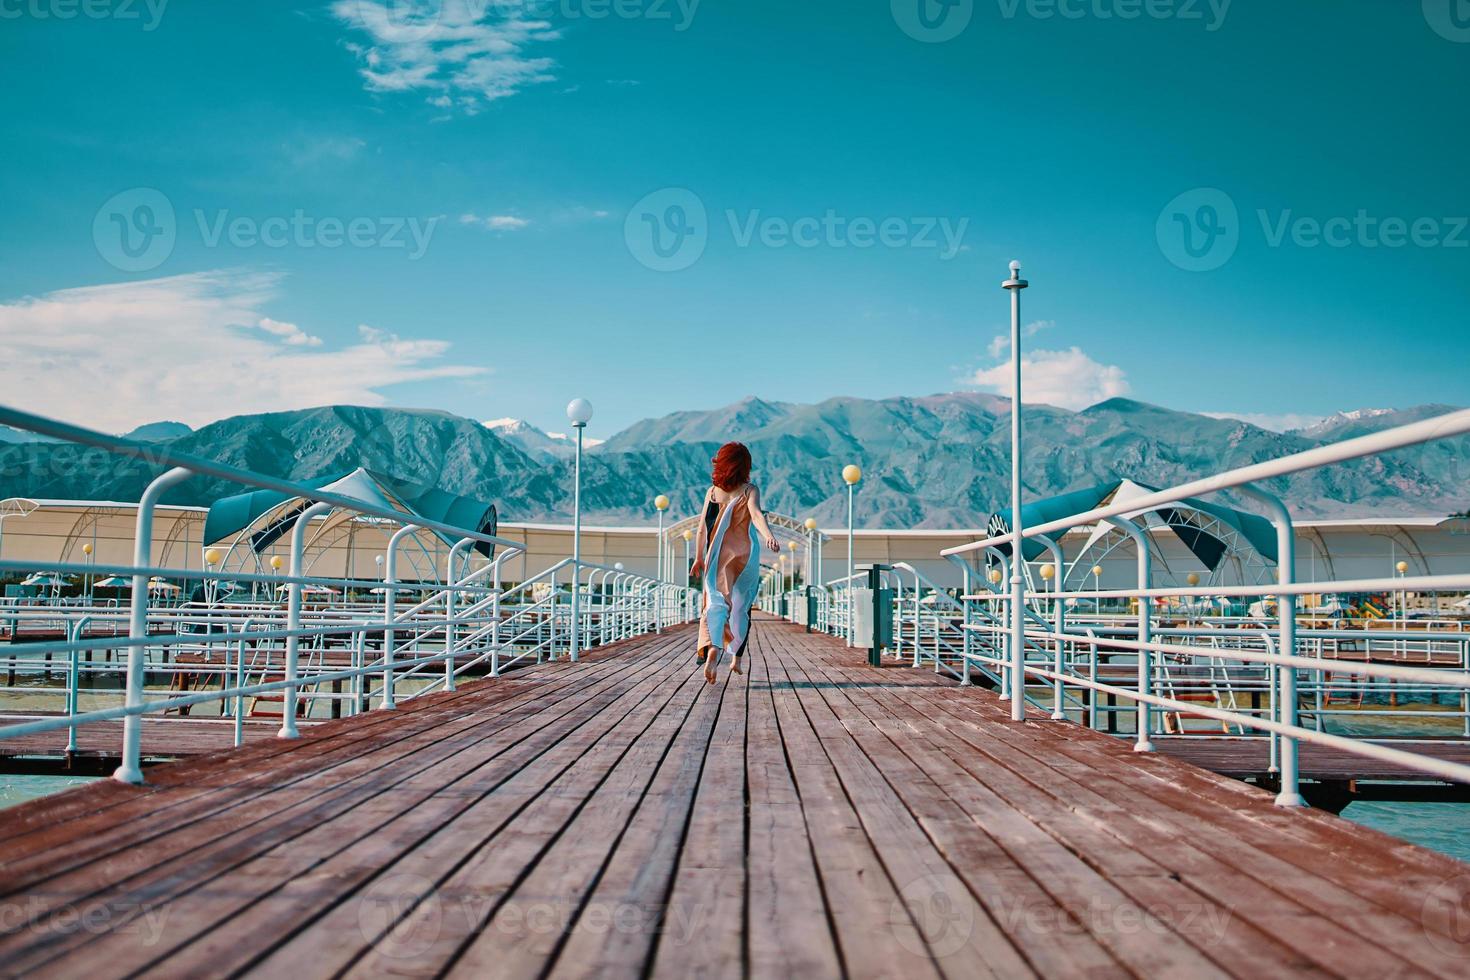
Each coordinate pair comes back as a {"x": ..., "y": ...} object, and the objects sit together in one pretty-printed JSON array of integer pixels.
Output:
[{"x": 937, "y": 461}]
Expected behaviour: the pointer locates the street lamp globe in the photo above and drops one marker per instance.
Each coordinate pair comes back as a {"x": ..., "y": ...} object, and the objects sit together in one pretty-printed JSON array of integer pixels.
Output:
[
  {"x": 851, "y": 474},
  {"x": 994, "y": 575},
  {"x": 1048, "y": 571},
  {"x": 661, "y": 502},
  {"x": 211, "y": 557},
  {"x": 1192, "y": 578},
  {"x": 87, "y": 548},
  {"x": 277, "y": 561},
  {"x": 618, "y": 567},
  {"x": 579, "y": 412},
  {"x": 811, "y": 523},
  {"x": 1402, "y": 566},
  {"x": 1097, "y": 571},
  {"x": 688, "y": 534}
]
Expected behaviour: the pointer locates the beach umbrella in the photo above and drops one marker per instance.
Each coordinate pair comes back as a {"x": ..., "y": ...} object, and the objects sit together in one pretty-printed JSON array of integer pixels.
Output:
[
  {"x": 160, "y": 585},
  {"x": 114, "y": 582},
  {"x": 310, "y": 589},
  {"x": 46, "y": 580}
]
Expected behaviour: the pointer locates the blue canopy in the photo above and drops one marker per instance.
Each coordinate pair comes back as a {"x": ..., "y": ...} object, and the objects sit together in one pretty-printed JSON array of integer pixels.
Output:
[
  {"x": 1209, "y": 549},
  {"x": 273, "y": 514}
]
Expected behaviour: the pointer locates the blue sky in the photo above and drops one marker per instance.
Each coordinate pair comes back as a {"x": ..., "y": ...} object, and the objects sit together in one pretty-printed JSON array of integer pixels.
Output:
[{"x": 453, "y": 205}]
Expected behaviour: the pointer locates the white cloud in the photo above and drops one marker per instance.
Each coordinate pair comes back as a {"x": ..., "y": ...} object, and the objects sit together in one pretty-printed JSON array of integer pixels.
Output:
[
  {"x": 193, "y": 348},
  {"x": 496, "y": 222},
  {"x": 462, "y": 53},
  {"x": 1065, "y": 378},
  {"x": 290, "y": 333},
  {"x": 1276, "y": 422}
]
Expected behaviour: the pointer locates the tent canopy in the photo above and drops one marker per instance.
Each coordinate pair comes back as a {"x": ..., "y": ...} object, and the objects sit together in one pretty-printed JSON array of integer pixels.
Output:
[
  {"x": 272, "y": 515},
  {"x": 1209, "y": 549}
]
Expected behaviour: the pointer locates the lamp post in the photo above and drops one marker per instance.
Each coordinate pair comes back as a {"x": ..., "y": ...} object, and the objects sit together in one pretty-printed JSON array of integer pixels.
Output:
[
  {"x": 660, "y": 504},
  {"x": 812, "y": 572},
  {"x": 1018, "y": 586},
  {"x": 211, "y": 587},
  {"x": 688, "y": 537},
  {"x": 579, "y": 413},
  {"x": 87, "y": 550},
  {"x": 851, "y": 475}
]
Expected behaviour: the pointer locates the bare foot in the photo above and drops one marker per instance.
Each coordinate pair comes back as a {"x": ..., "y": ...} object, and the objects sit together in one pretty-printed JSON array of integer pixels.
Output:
[
  {"x": 709, "y": 670},
  {"x": 735, "y": 667}
]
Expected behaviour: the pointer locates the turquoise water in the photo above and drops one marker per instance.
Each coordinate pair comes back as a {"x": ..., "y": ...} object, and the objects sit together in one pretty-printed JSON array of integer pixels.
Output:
[
  {"x": 1442, "y": 827},
  {"x": 18, "y": 789}
]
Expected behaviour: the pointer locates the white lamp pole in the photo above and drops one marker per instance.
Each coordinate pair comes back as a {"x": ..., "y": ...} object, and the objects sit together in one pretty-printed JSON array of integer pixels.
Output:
[
  {"x": 688, "y": 537},
  {"x": 811, "y": 551},
  {"x": 579, "y": 413},
  {"x": 851, "y": 474},
  {"x": 1018, "y": 587},
  {"x": 660, "y": 504}
]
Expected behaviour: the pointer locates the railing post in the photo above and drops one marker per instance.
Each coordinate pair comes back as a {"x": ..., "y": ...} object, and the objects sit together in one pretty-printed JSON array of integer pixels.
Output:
[
  {"x": 131, "y": 769},
  {"x": 293, "y": 620},
  {"x": 239, "y": 706},
  {"x": 451, "y": 629},
  {"x": 1059, "y": 621},
  {"x": 495, "y": 624},
  {"x": 1145, "y": 629},
  {"x": 73, "y": 678},
  {"x": 1285, "y": 675},
  {"x": 390, "y": 605}
]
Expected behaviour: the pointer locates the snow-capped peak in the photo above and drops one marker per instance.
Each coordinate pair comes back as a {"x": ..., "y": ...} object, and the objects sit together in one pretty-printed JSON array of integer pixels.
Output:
[{"x": 535, "y": 441}]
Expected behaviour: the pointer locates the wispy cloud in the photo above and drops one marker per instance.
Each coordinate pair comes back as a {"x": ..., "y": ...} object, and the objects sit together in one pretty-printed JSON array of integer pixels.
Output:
[
  {"x": 290, "y": 334},
  {"x": 496, "y": 222},
  {"x": 194, "y": 348},
  {"x": 1000, "y": 346},
  {"x": 1065, "y": 378},
  {"x": 1276, "y": 422},
  {"x": 462, "y": 54}
]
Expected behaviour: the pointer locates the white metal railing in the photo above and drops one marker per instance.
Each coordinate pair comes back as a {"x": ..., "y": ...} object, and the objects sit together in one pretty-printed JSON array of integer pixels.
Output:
[
  {"x": 302, "y": 653},
  {"x": 1147, "y": 672},
  {"x": 1287, "y": 661}
]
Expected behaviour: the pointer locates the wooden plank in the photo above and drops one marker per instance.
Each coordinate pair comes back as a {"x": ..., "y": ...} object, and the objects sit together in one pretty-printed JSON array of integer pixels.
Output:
[
  {"x": 788, "y": 930},
  {"x": 201, "y": 775},
  {"x": 539, "y": 912},
  {"x": 1252, "y": 901},
  {"x": 709, "y": 880},
  {"x": 817, "y": 817},
  {"x": 873, "y": 922},
  {"x": 967, "y": 824},
  {"x": 614, "y": 934},
  {"x": 222, "y": 841},
  {"x": 424, "y": 901}
]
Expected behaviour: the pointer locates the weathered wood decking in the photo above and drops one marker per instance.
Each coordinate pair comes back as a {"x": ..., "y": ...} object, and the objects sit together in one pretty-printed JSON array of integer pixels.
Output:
[{"x": 618, "y": 817}]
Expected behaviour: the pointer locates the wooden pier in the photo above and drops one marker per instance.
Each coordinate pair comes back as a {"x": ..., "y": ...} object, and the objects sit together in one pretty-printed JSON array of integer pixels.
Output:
[{"x": 619, "y": 817}]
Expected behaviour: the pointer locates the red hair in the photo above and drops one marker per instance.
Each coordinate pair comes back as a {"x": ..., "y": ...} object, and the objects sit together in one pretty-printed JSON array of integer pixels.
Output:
[{"x": 731, "y": 467}]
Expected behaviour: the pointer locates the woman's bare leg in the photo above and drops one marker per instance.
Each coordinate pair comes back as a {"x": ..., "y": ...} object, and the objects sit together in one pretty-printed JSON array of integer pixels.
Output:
[{"x": 711, "y": 659}]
